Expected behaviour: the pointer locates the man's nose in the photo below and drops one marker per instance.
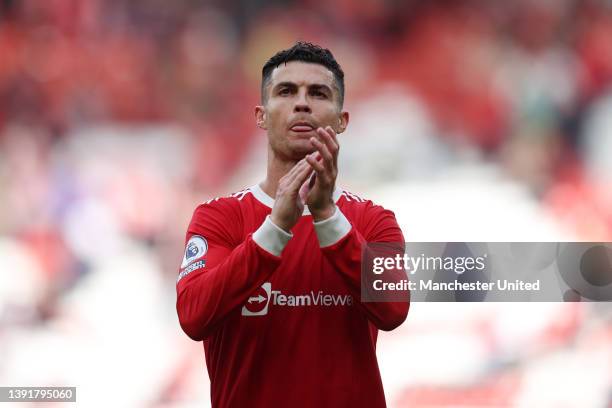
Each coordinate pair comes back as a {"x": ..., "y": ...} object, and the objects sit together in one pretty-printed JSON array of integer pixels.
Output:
[{"x": 301, "y": 103}]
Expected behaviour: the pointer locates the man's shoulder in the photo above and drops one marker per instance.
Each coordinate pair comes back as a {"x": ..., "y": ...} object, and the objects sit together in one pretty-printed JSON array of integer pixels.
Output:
[
  {"x": 227, "y": 204},
  {"x": 373, "y": 220},
  {"x": 357, "y": 202},
  {"x": 357, "y": 207},
  {"x": 353, "y": 198},
  {"x": 230, "y": 199}
]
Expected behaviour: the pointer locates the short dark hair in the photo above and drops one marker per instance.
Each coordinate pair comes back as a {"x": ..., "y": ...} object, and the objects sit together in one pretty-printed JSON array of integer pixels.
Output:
[{"x": 306, "y": 52}]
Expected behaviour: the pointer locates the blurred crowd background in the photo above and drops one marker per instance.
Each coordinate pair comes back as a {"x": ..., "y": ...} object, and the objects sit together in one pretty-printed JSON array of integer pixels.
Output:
[{"x": 472, "y": 120}]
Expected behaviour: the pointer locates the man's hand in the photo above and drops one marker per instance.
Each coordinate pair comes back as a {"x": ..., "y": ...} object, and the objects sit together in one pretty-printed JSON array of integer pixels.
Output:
[
  {"x": 319, "y": 192},
  {"x": 289, "y": 202}
]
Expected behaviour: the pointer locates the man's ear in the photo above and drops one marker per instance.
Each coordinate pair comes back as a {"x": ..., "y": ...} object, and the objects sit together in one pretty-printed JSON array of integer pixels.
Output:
[
  {"x": 260, "y": 117},
  {"x": 343, "y": 121}
]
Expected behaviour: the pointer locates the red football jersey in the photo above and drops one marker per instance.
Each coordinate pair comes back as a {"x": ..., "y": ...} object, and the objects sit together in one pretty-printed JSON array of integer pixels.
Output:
[{"x": 280, "y": 315}]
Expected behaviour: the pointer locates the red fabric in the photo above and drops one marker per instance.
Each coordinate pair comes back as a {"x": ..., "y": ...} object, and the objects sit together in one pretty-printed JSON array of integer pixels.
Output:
[{"x": 300, "y": 353}]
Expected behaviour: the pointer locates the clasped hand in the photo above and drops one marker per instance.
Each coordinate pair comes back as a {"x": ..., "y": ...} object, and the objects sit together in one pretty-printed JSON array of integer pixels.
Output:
[{"x": 310, "y": 182}]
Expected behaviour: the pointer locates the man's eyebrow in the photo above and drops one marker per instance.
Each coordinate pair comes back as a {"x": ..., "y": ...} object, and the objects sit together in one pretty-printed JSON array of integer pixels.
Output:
[
  {"x": 321, "y": 86},
  {"x": 286, "y": 83},
  {"x": 294, "y": 85}
]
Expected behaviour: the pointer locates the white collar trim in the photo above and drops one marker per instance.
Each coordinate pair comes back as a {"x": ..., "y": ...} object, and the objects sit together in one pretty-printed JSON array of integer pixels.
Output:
[{"x": 268, "y": 201}]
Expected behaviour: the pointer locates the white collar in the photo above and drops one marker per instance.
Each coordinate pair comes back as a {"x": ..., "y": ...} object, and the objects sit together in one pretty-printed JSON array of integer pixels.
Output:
[{"x": 268, "y": 201}]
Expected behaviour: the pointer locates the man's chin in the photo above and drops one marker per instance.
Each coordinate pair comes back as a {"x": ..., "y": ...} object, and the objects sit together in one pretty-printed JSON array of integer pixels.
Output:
[
  {"x": 294, "y": 150},
  {"x": 300, "y": 150}
]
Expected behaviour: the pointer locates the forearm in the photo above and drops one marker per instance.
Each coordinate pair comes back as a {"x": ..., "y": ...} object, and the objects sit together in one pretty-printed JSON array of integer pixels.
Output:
[
  {"x": 342, "y": 246},
  {"x": 205, "y": 298}
]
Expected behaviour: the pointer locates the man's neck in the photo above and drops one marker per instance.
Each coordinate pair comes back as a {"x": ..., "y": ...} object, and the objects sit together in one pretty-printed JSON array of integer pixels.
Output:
[
  {"x": 277, "y": 168},
  {"x": 275, "y": 171}
]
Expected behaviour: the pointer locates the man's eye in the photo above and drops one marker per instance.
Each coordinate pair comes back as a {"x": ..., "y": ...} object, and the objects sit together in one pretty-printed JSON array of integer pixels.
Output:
[
  {"x": 319, "y": 94},
  {"x": 284, "y": 91}
]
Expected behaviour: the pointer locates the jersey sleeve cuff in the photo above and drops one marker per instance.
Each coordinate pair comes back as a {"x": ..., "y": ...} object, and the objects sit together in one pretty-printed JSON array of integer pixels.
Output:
[
  {"x": 271, "y": 237},
  {"x": 333, "y": 229}
]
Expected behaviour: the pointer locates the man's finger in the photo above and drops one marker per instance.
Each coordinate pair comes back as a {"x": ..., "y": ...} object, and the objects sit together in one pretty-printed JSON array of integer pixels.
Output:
[
  {"x": 294, "y": 170},
  {"x": 301, "y": 175},
  {"x": 307, "y": 186},
  {"x": 334, "y": 135},
  {"x": 334, "y": 138},
  {"x": 328, "y": 136},
  {"x": 312, "y": 180},
  {"x": 316, "y": 164},
  {"x": 328, "y": 159},
  {"x": 296, "y": 167}
]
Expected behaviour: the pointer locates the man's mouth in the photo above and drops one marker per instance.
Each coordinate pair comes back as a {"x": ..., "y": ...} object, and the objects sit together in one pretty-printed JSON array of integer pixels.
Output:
[{"x": 302, "y": 127}]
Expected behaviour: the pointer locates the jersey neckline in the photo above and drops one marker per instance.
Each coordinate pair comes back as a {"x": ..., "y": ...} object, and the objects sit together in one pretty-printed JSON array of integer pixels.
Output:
[{"x": 268, "y": 201}]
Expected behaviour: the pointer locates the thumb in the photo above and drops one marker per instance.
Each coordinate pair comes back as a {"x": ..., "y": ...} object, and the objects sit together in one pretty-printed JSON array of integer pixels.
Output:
[{"x": 306, "y": 187}]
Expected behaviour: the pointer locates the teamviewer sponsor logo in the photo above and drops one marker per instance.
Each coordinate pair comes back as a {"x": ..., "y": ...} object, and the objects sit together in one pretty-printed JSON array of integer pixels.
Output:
[{"x": 258, "y": 303}]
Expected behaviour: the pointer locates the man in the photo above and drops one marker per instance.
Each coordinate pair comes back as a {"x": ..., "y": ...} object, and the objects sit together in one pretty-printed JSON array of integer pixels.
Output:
[{"x": 270, "y": 280}]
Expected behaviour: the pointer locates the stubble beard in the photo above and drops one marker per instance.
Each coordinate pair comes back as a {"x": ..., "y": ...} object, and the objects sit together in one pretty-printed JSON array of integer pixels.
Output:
[{"x": 290, "y": 148}]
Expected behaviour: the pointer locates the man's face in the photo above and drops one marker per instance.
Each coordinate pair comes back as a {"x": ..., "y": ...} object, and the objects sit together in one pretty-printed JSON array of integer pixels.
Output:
[{"x": 300, "y": 98}]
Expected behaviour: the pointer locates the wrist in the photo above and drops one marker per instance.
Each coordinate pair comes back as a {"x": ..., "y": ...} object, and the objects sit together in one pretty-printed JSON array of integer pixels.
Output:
[
  {"x": 333, "y": 229},
  {"x": 283, "y": 226},
  {"x": 271, "y": 238},
  {"x": 324, "y": 213}
]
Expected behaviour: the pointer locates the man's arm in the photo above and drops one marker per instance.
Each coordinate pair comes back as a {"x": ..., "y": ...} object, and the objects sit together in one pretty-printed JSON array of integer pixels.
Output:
[
  {"x": 342, "y": 246},
  {"x": 340, "y": 242},
  {"x": 212, "y": 284},
  {"x": 217, "y": 275}
]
